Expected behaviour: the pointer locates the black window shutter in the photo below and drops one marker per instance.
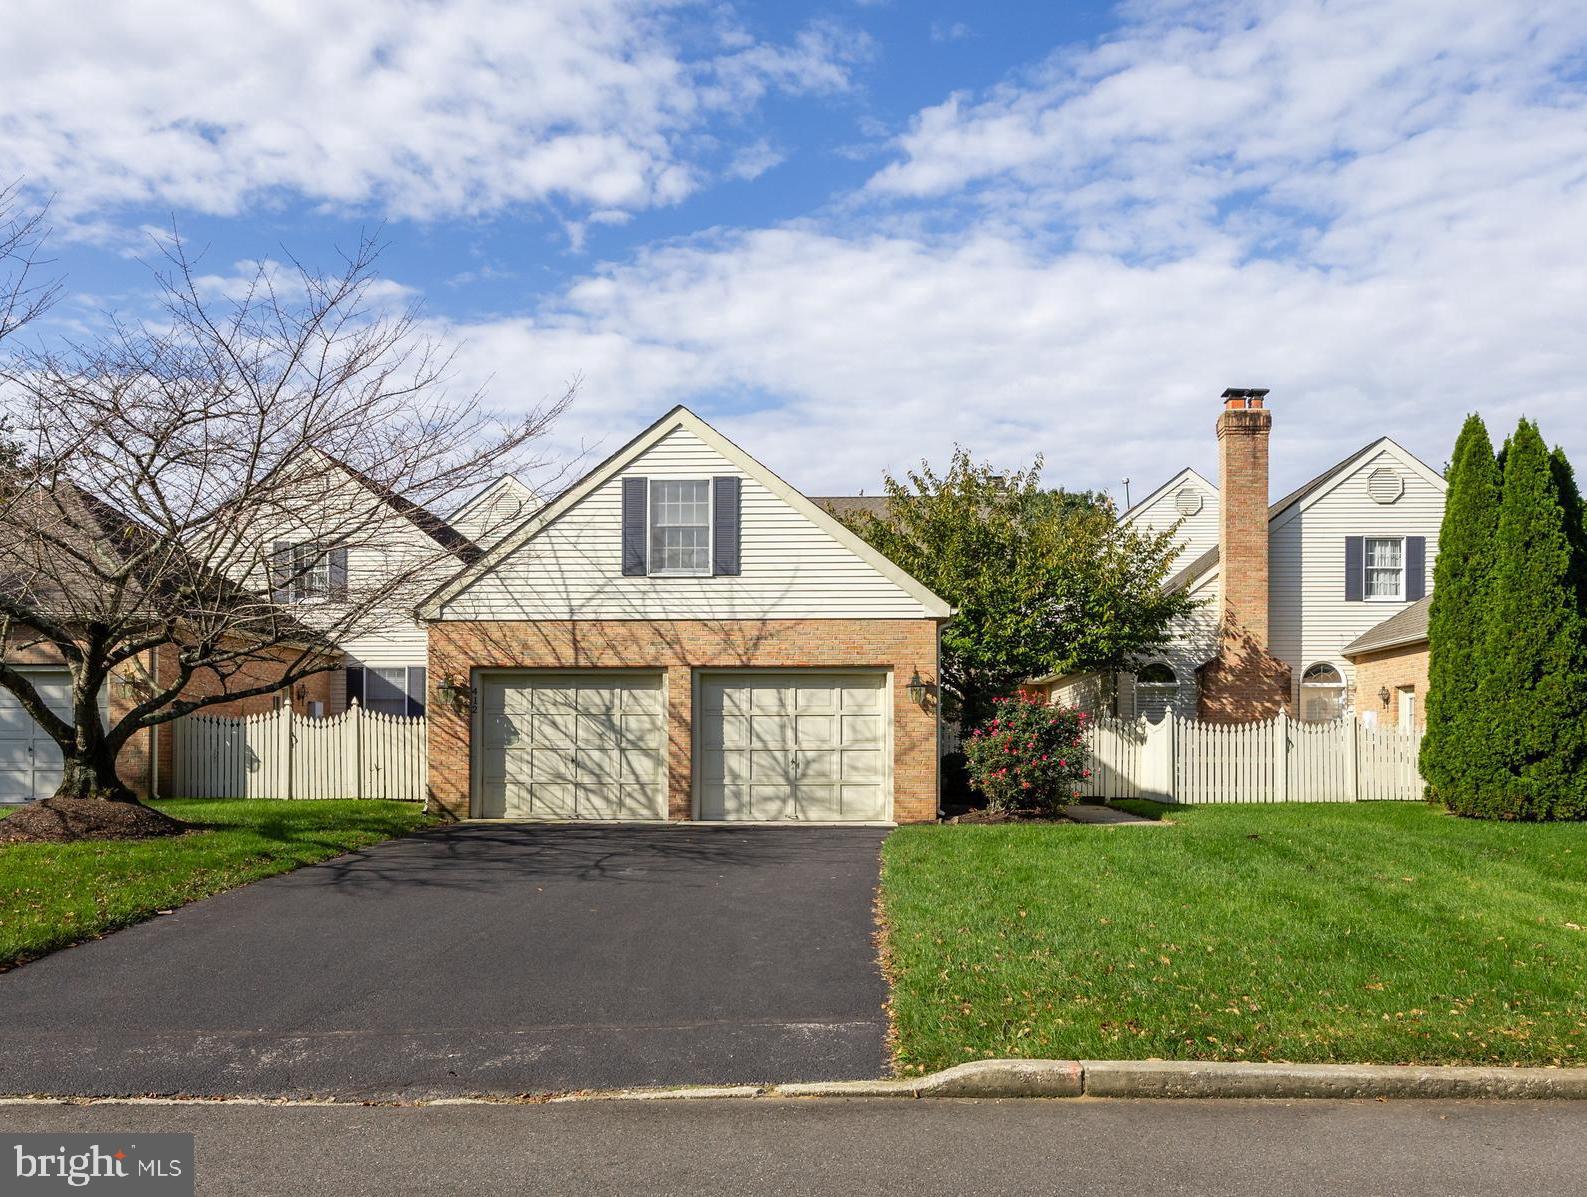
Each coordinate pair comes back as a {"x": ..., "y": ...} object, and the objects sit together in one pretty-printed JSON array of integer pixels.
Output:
[
  {"x": 634, "y": 526},
  {"x": 338, "y": 572},
  {"x": 1415, "y": 568},
  {"x": 724, "y": 526},
  {"x": 355, "y": 684},
  {"x": 281, "y": 571},
  {"x": 416, "y": 674},
  {"x": 1355, "y": 569}
]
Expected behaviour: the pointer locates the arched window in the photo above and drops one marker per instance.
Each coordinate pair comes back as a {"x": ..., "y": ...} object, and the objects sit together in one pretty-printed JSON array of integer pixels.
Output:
[
  {"x": 1156, "y": 690},
  {"x": 1322, "y": 693}
]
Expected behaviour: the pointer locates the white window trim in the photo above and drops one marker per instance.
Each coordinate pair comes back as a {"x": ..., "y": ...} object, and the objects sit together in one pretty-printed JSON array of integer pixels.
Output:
[
  {"x": 650, "y": 530},
  {"x": 1341, "y": 687},
  {"x": 298, "y": 581},
  {"x": 1366, "y": 591}
]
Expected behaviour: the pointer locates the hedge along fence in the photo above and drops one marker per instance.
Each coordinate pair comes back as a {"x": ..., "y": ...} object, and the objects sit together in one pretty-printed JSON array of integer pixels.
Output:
[
  {"x": 357, "y": 754},
  {"x": 1274, "y": 760}
]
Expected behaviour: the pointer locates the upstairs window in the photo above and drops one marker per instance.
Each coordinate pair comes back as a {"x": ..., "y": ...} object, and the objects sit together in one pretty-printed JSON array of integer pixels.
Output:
[
  {"x": 680, "y": 527},
  {"x": 311, "y": 573},
  {"x": 1385, "y": 569}
]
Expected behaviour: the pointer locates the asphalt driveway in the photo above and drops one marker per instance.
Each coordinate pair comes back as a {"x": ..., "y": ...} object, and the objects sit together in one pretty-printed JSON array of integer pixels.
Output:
[{"x": 481, "y": 959}]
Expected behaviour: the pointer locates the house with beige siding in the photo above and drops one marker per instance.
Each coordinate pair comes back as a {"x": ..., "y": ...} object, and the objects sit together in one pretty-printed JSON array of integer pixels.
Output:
[
  {"x": 1289, "y": 589},
  {"x": 682, "y": 635}
]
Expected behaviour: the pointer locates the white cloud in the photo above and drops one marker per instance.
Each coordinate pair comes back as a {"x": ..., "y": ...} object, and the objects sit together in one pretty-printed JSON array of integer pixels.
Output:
[
  {"x": 1376, "y": 210},
  {"x": 419, "y": 110}
]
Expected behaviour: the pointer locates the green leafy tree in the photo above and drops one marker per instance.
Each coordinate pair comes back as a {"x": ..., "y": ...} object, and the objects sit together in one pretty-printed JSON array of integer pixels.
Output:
[
  {"x": 1533, "y": 690},
  {"x": 1570, "y": 502},
  {"x": 1461, "y": 576},
  {"x": 1043, "y": 581}
]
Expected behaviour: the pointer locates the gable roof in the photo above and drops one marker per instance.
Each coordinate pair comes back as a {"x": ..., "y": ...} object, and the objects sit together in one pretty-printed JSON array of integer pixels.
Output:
[
  {"x": 508, "y": 484},
  {"x": 422, "y": 518},
  {"x": 1306, "y": 493},
  {"x": 1404, "y": 627},
  {"x": 678, "y": 418},
  {"x": 1184, "y": 475}
]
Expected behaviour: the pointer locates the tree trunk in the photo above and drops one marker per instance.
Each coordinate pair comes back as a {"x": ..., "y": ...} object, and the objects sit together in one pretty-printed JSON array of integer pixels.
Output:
[{"x": 91, "y": 773}]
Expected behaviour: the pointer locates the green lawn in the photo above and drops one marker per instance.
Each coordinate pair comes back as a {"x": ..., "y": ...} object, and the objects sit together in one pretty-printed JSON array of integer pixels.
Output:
[
  {"x": 1381, "y": 933},
  {"x": 52, "y": 895}
]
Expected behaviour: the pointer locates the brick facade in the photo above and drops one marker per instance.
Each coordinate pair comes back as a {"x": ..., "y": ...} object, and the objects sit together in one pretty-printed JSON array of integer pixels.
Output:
[
  {"x": 1394, "y": 668},
  {"x": 1244, "y": 681},
  {"x": 678, "y": 648}
]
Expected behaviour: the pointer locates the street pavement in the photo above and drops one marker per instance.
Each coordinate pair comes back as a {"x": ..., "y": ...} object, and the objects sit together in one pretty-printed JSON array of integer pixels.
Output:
[{"x": 882, "y": 1146}]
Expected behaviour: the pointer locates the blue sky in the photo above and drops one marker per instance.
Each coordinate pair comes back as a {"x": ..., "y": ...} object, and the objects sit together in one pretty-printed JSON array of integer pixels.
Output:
[{"x": 853, "y": 234}]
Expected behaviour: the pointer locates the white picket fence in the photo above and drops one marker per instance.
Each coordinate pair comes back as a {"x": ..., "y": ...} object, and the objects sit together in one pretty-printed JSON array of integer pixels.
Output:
[
  {"x": 1275, "y": 760},
  {"x": 357, "y": 754}
]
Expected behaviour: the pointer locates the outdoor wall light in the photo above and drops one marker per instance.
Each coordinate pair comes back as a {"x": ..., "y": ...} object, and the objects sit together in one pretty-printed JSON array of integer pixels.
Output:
[
  {"x": 453, "y": 693},
  {"x": 917, "y": 690},
  {"x": 1384, "y": 696}
]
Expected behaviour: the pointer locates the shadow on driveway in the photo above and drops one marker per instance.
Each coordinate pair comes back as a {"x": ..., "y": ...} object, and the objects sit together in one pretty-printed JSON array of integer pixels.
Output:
[{"x": 480, "y": 959}]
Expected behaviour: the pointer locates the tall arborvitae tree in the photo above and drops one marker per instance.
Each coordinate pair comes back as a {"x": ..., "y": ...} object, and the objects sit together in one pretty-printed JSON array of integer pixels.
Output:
[
  {"x": 1455, "y": 621},
  {"x": 1533, "y": 691},
  {"x": 1575, "y": 522}
]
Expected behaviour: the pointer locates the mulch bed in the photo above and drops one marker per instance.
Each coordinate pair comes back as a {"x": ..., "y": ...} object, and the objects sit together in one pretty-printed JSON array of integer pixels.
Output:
[
  {"x": 67, "y": 820},
  {"x": 991, "y": 817}
]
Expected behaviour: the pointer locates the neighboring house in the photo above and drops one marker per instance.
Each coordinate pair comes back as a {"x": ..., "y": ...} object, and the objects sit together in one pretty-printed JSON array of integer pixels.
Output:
[
  {"x": 494, "y": 510},
  {"x": 69, "y": 588},
  {"x": 1390, "y": 664},
  {"x": 1289, "y": 589},
  {"x": 682, "y": 635},
  {"x": 353, "y": 536}
]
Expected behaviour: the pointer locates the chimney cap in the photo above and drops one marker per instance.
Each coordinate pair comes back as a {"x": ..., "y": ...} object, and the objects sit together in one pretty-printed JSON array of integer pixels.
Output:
[{"x": 1239, "y": 397}]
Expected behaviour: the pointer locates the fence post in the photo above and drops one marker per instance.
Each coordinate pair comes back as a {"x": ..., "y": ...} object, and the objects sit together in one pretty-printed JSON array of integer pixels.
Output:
[
  {"x": 1353, "y": 757},
  {"x": 1281, "y": 755},
  {"x": 355, "y": 712},
  {"x": 291, "y": 739}
]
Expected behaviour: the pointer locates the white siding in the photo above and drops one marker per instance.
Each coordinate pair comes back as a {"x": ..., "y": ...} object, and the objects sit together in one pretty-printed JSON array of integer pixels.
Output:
[
  {"x": 791, "y": 567},
  {"x": 495, "y": 512},
  {"x": 1193, "y": 642},
  {"x": 1309, "y": 619},
  {"x": 1198, "y": 532}
]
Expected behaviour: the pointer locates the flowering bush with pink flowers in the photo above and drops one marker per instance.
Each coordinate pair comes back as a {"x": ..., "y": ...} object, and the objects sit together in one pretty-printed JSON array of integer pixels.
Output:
[{"x": 1028, "y": 756}]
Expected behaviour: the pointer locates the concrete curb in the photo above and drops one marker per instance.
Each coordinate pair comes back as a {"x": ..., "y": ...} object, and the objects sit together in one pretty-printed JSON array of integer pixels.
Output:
[
  {"x": 1167, "y": 1079},
  {"x": 1037, "y": 1078}
]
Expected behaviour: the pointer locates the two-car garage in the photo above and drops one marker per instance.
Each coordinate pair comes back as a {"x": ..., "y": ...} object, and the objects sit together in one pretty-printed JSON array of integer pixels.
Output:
[{"x": 764, "y": 746}]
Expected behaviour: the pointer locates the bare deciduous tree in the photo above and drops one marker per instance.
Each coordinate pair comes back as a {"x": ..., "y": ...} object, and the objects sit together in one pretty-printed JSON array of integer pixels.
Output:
[{"x": 207, "y": 503}]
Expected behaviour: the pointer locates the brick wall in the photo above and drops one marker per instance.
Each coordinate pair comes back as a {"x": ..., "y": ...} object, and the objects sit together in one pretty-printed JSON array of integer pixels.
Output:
[
  {"x": 1394, "y": 668},
  {"x": 678, "y": 647}
]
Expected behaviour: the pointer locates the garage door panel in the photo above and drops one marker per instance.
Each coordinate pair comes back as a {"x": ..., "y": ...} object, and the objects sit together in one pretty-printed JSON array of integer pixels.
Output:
[
  {"x": 862, "y": 729},
  {"x": 639, "y": 768},
  {"x": 814, "y": 747},
  {"x": 863, "y": 765},
  {"x": 815, "y": 731},
  {"x": 820, "y": 803},
  {"x": 30, "y": 761},
  {"x": 586, "y": 747},
  {"x": 864, "y": 803},
  {"x": 770, "y": 731},
  {"x": 769, "y": 803},
  {"x": 640, "y": 731}
]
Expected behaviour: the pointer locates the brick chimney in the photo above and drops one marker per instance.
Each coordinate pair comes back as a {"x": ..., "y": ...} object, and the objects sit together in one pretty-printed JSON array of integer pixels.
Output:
[{"x": 1244, "y": 681}]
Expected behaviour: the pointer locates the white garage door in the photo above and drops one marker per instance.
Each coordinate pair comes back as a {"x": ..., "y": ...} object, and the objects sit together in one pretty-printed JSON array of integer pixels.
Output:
[
  {"x": 30, "y": 763},
  {"x": 572, "y": 746},
  {"x": 794, "y": 746}
]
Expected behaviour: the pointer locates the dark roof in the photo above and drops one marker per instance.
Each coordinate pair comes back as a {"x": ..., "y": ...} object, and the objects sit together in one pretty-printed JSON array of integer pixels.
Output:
[
  {"x": 840, "y": 506},
  {"x": 432, "y": 525},
  {"x": 39, "y": 573},
  {"x": 1404, "y": 627}
]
